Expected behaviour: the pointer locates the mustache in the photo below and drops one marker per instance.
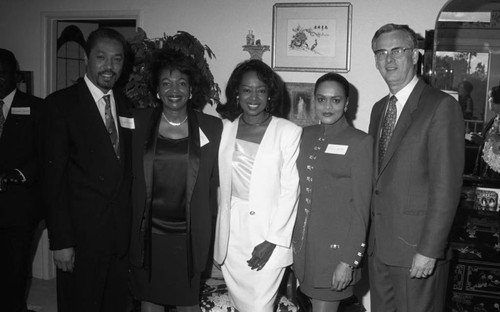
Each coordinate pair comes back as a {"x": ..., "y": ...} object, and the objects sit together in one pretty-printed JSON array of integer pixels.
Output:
[{"x": 108, "y": 72}]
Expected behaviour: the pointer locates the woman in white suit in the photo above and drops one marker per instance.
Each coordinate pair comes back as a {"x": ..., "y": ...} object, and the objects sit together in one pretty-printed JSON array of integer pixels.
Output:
[{"x": 259, "y": 187}]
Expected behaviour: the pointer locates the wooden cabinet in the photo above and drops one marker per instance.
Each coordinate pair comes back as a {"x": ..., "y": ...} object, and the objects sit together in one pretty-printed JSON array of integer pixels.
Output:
[{"x": 474, "y": 283}]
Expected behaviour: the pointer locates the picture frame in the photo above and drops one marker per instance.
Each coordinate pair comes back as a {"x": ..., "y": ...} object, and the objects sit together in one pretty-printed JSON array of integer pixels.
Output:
[
  {"x": 302, "y": 110},
  {"x": 25, "y": 81},
  {"x": 313, "y": 37}
]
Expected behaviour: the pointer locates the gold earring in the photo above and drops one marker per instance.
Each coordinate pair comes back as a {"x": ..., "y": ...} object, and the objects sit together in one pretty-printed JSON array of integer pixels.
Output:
[{"x": 158, "y": 96}]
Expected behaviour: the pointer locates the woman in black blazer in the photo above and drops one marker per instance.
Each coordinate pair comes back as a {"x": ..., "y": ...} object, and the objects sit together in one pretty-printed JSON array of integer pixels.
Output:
[
  {"x": 175, "y": 179},
  {"x": 335, "y": 170}
]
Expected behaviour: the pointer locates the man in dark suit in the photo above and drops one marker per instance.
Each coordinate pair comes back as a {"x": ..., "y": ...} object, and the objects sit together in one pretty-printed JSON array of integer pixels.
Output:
[
  {"x": 19, "y": 205},
  {"x": 419, "y": 159},
  {"x": 87, "y": 175}
]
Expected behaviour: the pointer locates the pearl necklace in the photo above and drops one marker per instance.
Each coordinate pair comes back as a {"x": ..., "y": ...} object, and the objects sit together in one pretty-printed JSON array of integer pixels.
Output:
[{"x": 175, "y": 124}]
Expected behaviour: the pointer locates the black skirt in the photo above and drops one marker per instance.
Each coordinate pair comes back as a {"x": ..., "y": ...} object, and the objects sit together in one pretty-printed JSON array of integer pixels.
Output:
[{"x": 169, "y": 284}]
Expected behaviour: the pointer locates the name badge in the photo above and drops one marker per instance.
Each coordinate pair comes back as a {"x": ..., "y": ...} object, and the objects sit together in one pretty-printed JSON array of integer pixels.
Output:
[
  {"x": 127, "y": 122},
  {"x": 203, "y": 138},
  {"x": 20, "y": 110},
  {"x": 336, "y": 149}
]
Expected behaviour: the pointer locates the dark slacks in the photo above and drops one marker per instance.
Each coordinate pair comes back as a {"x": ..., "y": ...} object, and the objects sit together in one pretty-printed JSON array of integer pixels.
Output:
[
  {"x": 392, "y": 289},
  {"x": 98, "y": 283},
  {"x": 15, "y": 243}
]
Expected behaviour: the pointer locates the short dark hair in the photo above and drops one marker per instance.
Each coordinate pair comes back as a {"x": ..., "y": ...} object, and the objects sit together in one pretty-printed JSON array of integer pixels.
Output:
[
  {"x": 101, "y": 33},
  {"x": 8, "y": 59},
  {"x": 333, "y": 77},
  {"x": 412, "y": 36},
  {"x": 171, "y": 59},
  {"x": 278, "y": 106}
]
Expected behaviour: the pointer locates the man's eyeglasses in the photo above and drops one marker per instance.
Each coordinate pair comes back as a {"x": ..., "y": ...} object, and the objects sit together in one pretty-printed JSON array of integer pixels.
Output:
[{"x": 395, "y": 53}]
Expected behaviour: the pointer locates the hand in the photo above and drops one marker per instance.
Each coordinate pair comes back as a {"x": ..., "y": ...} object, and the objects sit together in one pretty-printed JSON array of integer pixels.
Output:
[
  {"x": 476, "y": 139},
  {"x": 65, "y": 259},
  {"x": 422, "y": 266},
  {"x": 342, "y": 277},
  {"x": 9, "y": 176},
  {"x": 261, "y": 253}
]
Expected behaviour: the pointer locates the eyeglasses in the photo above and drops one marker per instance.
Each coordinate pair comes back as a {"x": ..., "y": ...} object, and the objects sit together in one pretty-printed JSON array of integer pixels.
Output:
[{"x": 395, "y": 53}]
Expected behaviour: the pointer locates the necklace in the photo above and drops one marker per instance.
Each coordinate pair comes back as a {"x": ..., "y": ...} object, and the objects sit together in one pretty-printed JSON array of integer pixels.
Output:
[
  {"x": 175, "y": 124},
  {"x": 257, "y": 123}
]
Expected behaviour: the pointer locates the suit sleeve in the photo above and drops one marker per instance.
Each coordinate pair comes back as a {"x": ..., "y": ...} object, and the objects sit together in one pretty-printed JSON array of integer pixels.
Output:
[
  {"x": 357, "y": 216},
  {"x": 56, "y": 149},
  {"x": 283, "y": 220},
  {"x": 445, "y": 168}
]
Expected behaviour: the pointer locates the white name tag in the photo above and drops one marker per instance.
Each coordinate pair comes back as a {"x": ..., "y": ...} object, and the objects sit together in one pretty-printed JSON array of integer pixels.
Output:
[
  {"x": 336, "y": 149},
  {"x": 127, "y": 122},
  {"x": 203, "y": 138},
  {"x": 20, "y": 110}
]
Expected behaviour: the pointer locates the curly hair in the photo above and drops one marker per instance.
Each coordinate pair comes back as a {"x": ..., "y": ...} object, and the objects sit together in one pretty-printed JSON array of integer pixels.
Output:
[
  {"x": 170, "y": 59},
  {"x": 277, "y": 104}
]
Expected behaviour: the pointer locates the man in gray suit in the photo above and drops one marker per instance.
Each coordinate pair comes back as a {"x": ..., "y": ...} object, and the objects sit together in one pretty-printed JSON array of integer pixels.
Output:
[{"x": 419, "y": 158}]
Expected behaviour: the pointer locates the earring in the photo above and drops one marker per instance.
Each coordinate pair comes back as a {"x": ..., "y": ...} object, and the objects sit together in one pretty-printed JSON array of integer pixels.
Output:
[
  {"x": 158, "y": 96},
  {"x": 190, "y": 96},
  {"x": 238, "y": 100}
]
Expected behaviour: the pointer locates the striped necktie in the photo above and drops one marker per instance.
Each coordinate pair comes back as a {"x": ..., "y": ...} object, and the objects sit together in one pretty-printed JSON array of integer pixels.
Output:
[
  {"x": 387, "y": 129},
  {"x": 110, "y": 125}
]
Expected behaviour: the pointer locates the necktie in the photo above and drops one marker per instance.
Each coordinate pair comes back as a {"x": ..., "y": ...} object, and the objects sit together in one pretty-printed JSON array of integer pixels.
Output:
[
  {"x": 2, "y": 117},
  {"x": 110, "y": 125},
  {"x": 387, "y": 129}
]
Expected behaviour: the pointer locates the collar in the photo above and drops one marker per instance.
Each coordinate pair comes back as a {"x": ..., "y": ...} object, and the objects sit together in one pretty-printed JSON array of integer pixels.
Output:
[
  {"x": 404, "y": 93},
  {"x": 334, "y": 129},
  {"x": 7, "y": 102},
  {"x": 97, "y": 94}
]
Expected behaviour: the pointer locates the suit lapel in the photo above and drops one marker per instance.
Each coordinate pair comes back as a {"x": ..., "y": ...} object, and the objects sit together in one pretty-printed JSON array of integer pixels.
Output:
[
  {"x": 151, "y": 124},
  {"x": 194, "y": 154},
  {"x": 378, "y": 120},
  {"x": 404, "y": 122},
  {"x": 227, "y": 145}
]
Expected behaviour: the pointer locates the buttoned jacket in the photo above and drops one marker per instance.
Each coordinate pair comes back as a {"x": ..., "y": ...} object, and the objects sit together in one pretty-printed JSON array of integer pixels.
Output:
[
  {"x": 417, "y": 187},
  {"x": 274, "y": 189},
  {"x": 335, "y": 169},
  {"x": 20, "y": 203}
]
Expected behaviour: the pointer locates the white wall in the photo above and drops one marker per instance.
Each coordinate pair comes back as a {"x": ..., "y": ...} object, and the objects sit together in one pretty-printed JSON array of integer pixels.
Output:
[{"x": 222, "y": 25}]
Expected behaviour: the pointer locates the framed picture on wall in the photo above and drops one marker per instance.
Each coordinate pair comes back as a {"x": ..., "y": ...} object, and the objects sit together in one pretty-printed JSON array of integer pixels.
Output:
[
  {"x": 302, "y": 110},
  {"x": 314, "y": 37},
  {"x": 25, "y": 81}
]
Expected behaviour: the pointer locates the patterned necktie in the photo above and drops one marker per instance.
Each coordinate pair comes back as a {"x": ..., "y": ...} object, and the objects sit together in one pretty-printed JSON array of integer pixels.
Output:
[
  {"x": 110, "y": 125},
  {"x": 387, "y": 129},
  {"x": 2, "y": 117}
]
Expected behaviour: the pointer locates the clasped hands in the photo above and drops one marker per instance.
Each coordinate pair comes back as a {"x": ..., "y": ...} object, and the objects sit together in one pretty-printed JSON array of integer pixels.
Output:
[
  {"x": 260, "y": 255},
  {"x": 65, "y": 259},
  {"x": 9, "y": 176}
]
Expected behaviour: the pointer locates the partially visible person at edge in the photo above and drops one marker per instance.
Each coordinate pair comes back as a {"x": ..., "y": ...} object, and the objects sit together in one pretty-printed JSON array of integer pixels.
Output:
[
  {"x": 20, "y": 208},
  {"x": 335, "y": 169},
  {"x": 490, "y": 131},
  {"x": 259, "y": 187},
  {"x": 174, "y": 156},
  {"x": 418, "y": 164},
  {"x": 87, "y": 180}
]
